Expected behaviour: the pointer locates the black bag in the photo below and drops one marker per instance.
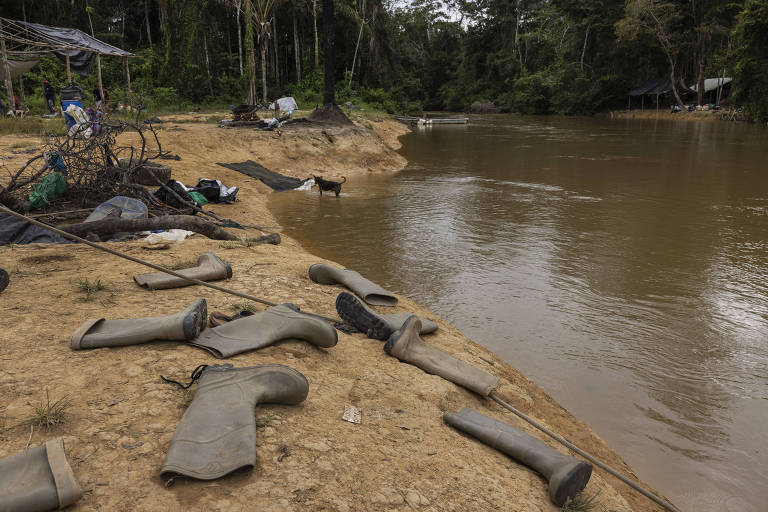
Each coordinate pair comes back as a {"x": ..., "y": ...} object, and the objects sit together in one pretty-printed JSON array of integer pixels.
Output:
[{"x": 163, "y": 195}]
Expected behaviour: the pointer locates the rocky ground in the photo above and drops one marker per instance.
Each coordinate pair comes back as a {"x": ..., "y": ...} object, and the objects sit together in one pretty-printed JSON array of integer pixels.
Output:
[{"x": 121, "y": 416}]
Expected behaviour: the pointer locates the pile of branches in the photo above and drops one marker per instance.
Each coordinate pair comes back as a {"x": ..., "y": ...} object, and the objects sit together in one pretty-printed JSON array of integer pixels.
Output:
[
  {"x": 93, "y": 169},
  {"x": 98, "y": 169}
]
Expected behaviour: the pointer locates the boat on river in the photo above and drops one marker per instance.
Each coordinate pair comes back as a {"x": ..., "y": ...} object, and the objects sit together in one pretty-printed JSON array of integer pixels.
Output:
[{"x": 458, "y": 120}]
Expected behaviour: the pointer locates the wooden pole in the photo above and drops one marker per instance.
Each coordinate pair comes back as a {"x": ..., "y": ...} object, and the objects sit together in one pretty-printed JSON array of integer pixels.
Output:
[
  {"x": 69, "y": 71},
  {"x": 128, "y": 75},
  {"x": 101, "y": 86},
  {"x": 7, "y": 70}
]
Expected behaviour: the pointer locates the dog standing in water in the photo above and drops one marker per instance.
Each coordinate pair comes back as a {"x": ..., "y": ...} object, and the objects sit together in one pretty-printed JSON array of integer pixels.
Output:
[{"x": 329, "y": 185}]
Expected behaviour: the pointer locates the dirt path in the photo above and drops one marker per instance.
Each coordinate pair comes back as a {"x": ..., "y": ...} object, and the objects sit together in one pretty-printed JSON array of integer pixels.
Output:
[{"x": 401, "y": 457}]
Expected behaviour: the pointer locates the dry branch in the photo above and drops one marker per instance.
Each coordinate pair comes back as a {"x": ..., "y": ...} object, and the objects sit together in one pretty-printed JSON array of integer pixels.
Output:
[{"x": 109, "y": 226}]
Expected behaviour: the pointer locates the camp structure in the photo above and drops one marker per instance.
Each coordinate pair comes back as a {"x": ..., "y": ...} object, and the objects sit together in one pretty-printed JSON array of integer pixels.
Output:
[
  {"x": 715, "y": 89},
  {"x": 21, "y": 42},
  {"x": 657, "y": 87}
]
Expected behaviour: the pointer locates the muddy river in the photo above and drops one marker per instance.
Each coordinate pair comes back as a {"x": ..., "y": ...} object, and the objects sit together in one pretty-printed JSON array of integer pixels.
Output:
[{"x": 620, "y": 264}]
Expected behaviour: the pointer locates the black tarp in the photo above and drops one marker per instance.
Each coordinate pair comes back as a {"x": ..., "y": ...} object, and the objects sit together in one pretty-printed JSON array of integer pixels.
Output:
[
  {"x": 272, "y": 179},
  {"x": 659, "y": 86},
  {"x": 57, "y": 36},
  {"x": 18, "y": 231},
  {"x": 80, "y": 61}
]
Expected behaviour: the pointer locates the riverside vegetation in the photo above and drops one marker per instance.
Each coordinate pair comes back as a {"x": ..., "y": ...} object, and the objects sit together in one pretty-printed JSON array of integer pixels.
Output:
[{"x": 527, "y": 56}]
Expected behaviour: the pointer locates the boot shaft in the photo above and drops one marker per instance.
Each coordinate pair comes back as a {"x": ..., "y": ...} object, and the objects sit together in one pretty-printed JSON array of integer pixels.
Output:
[
  {"x": 407, "y": 346},
  {"x": 217, "y": 434}
]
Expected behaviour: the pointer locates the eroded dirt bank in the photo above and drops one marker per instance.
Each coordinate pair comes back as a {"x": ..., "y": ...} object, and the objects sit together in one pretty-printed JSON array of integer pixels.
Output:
[{"x": 122, "y": 416}]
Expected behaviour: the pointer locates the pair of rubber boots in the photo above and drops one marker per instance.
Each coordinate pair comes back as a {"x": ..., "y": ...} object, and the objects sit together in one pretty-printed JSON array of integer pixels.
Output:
[
  {"x": 38, "y": 479},
  {"x": 217, "y": 434},
  {"x": 247, "y": 333}
]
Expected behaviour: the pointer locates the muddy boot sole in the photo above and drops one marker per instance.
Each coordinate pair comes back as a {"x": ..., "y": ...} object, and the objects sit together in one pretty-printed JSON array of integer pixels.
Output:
[
  {"x": 195, "y": 319},
  {"x": 353, "y": 311}
]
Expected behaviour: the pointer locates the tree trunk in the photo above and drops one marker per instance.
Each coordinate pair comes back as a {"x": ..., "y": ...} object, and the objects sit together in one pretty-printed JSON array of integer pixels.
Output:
[
  {"x": 276, "y": 50},
  {"x": 239, "y": 38},
  {"x": 264, "y": 70},
  {"x": 7, "y": 73},
  {"x": 584, "y": 48},
  {"x": 296, "y": 49},
  {"x": 146, "y": 20},
  {"x": 207, "y": 63},
  {"x": 112, "y": 225},
  {"x": 359, "y": 35},
  {"x": 329, "y": 35},
  {"x": 250, "y": 48},
  {"x": 314, "y": 24}
]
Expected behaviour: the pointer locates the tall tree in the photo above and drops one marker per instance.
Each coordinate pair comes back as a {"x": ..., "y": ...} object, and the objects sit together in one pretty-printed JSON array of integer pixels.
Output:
[
  {"x": 329, "y": 57},
  {"x": 656, "y": 18}
]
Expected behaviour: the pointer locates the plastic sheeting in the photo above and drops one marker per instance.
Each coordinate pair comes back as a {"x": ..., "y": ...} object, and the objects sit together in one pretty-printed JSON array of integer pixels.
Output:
[
  {"x": 17, "y": 231},
  {"x": 287, "y": 104},
  {"x": 71, "y": 36},
  {"x": 19, "y": 67},
  {"x": 659, "y": 86},
  {"x": 129, "y": 208},
  {"x": 274, "y": 180}
]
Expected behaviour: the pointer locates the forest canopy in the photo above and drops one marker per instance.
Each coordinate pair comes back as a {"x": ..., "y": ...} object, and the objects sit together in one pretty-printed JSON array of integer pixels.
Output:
[{"x": 527, "y": 56}]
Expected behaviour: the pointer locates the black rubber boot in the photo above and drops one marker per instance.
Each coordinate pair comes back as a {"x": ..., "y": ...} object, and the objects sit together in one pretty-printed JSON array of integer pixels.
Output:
[{"x": 379, "y": 327}]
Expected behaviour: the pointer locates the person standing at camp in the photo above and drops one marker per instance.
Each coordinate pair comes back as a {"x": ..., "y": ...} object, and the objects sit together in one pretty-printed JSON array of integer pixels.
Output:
[
  {"x": 97, "y": 96},
  {"x": 50, "y": 96}
]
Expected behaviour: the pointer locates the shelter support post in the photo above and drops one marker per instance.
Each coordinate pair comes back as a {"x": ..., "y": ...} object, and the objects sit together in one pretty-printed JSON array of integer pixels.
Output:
[
  {"x": 128, "y": 77},
  {"x": 7, "y": 73},
  {"x": 69, "y": 71},
  {"x": 657, "y": 103},
  {"x": 101, "y": 85}
]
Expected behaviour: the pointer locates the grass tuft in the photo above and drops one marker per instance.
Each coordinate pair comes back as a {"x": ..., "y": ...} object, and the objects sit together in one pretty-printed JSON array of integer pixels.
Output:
[
  {"x": 581, "y": 503},
  {"x": 49, "y": 414},
  {"x": 186, "y": 398},
  {"x": 90, "y": 288}
]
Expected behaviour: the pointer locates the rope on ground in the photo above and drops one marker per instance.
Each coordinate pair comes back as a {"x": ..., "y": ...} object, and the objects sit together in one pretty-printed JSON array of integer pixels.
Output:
[
  {"x": 100, "y": 247},
  {"x": 664, "y": 504}
]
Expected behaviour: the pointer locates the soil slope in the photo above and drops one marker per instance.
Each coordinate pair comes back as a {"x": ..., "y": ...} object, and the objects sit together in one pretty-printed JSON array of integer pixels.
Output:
[{"x": 122, "y": 416}]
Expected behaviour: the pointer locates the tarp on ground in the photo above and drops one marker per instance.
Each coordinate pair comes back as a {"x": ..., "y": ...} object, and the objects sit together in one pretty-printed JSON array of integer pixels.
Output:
[
  {"x": 659, "y": 86},
  {"x": 285, "y": 104},
  {"x": 19, "y": 67},
  {"x": 18, "y": 231},
  {"x": 710, "y": 84},
  {"x": 272, "y": 179}
]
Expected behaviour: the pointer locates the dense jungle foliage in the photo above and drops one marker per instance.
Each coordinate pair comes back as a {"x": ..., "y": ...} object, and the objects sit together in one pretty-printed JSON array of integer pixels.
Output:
[{"x": 528, "y": 56}]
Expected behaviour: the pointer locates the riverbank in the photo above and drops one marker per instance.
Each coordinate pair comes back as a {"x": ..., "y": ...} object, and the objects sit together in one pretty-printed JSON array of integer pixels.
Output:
[
  {"x": 696, "y": 115},
  {"x": 401, "y": 457}
]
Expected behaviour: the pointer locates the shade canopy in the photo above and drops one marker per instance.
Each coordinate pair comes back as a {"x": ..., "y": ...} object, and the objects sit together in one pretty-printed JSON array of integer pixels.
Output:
[
  {"x": 659, "y": 86},
  {"x": 710, "y": 84},
  {"x": 19, "y": 67}
]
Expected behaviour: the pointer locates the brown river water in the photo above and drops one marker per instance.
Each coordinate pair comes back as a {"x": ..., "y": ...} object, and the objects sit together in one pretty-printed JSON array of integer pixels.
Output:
[{"x": 620, "y": 264}]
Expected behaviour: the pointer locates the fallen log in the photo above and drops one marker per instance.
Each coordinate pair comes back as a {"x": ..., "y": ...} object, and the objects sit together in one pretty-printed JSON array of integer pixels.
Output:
[{"x": 109, "y": 226}]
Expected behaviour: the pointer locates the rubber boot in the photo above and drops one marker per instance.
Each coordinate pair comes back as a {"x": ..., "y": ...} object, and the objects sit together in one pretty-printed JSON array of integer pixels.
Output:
[
  {"x": 38, "y": 479},
  {"x": 567, "y": 475},
  {"x": 369, "y": 291},
  {"x": 217, "y": 434},
  {"x": 263, "y": 329},
  {"x": 406, "y": 345},
  {"x": 379, "y": 327},
  {"x": 4, "y": 279},
  {"x": 98, "y": 332},
  {"x": 209, "y": 268}
]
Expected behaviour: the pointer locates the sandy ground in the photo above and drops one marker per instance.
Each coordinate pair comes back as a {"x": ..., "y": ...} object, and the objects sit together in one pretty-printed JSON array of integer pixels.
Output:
[
  {"x": 402, "y": 457},
  {"x": 664, "y": 113}
]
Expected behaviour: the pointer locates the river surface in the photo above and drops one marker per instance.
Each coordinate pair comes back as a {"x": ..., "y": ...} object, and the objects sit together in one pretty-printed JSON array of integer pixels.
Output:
[{"x": 620, "y": 264}]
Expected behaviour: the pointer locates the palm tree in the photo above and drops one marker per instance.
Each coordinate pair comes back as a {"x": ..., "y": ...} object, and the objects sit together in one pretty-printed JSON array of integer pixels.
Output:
[{"x": 261, "y": 15}]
